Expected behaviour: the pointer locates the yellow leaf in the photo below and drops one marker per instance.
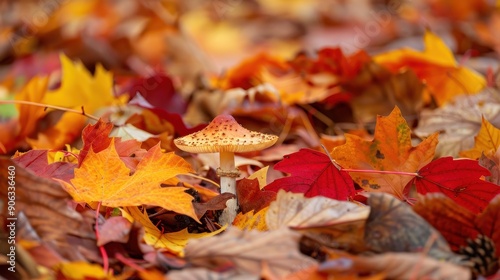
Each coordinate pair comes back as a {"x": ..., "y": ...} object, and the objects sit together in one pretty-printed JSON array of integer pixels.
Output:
[
  {"x": 103, "y": 177},
  {"x": 390, "y": 150},
  {"x": 173, "y": 241},
  {"x": 251, "y": 220},
  {"x": 261, "y": 176},
  {"x": 437, "y": 67},
  {"x": 78, "y": 89},
  {"x": 81, "y": 270},
  {"x": 487, "y": 141}
]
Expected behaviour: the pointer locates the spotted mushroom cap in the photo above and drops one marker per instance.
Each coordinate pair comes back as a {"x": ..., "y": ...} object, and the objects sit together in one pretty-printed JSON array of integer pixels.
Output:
[{"x": 224, "y": 134}]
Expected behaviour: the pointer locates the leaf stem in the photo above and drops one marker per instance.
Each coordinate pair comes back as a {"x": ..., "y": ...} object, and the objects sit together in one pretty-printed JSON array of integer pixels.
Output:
[
  {"x": 380, "y": 172},
  {"x": 105, "y": 261},
  {"x": 82, "y": 112}
]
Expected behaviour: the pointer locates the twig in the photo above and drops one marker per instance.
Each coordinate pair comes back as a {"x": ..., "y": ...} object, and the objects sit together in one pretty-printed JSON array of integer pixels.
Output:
[{"x": 82, "y": 112}]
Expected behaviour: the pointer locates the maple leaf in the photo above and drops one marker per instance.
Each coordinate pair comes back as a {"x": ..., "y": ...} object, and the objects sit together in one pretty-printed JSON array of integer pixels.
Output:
[
  {"x": 459, "y": 179},
  {"x": 313, "y": 174},
  {"x": 173, "y": 241},
  {"x": 487, "y": 141},
  {"x": 437, "y": 67},
  {"x": 391, "y": 149},
  {"x": 103, "y": 177}
]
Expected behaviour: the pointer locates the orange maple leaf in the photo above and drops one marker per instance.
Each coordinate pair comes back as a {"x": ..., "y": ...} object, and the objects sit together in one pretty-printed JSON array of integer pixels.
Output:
[
  {"x": 103, "y": 177},
  {"x": 487, "y": 141},
  {"x": 390, "y": 150}
]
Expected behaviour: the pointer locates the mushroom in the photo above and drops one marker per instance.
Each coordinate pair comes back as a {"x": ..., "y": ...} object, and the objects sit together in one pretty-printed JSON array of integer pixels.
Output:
[{"x": 226, "y": 137}]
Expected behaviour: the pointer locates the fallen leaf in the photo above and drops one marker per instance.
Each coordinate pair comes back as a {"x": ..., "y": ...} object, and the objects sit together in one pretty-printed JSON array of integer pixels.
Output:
[
  {"x": 458, "y": 122},
  {"x": 487, "y": 141},
  {"x": 261, "y": 176},
  {"x": 391, "y": 149},
  {"x": 81, "y": 270},
  {"x": 493, "y": 165},
  {"x": 437, "y": 67},
  {"x": 246, "y": 251},
  {"x": 459, "y": 179},
  {"x": 250, "y": 197},
  {"x": 296, "y": 210},
  {"x": 393, "y": 227},
  {"x": 398, "y": 266},
  {"x": 175, "y": 242},
  {"x": 216, "y": 203},
  {"x": 313, "y": 174},
  {"x": 45, "y": 205},
  {"x": 15, "y": 131},
  {"x": 251, "y": 220},
  {"x": 455, "y": 223},
  {"x": 36, "y": 161},
  {"x": 198, "y": 273},
  {"x": 377, "y": 91},
  {"x": 488, "y": 222},
  {"x": 114, "y": 229},
  {"x": 87, "y": 91},
  {"x": 103, "y": 177}
]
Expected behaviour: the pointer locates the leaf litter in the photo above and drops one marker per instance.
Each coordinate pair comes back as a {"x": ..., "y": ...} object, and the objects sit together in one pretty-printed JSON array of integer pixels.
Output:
[{"x": 387, "y": 163}]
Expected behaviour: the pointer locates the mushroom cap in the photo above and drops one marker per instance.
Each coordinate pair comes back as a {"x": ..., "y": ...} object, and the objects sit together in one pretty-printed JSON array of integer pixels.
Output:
[{"x": 224, "y": 134}]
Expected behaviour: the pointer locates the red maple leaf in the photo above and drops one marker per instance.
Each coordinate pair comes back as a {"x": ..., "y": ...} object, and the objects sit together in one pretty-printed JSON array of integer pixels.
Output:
[
  {"x": 458, "y": 179},
  {"x": 313, "y": 174}
]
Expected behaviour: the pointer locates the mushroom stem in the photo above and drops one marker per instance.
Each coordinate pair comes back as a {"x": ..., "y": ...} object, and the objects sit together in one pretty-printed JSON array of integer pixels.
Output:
[{"x": 228, "y": 174}]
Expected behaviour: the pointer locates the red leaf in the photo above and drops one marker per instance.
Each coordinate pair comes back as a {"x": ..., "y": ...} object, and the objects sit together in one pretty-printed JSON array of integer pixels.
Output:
[
  {"x": 250, "y": 197},
  {"x": 459, "y": 180},
  {"x": 313, "y": 174},
  {"x": 36, "y": 161},
  {"x": 95, "y": 136}
]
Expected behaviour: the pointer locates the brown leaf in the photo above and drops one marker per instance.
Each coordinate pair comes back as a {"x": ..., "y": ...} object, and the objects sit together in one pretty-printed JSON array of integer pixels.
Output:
[
  {"x": 203, "y": 273},
  {"x": 45, "y": 204},
  {"x": 250, "y": 197},
  {"x": 333, "y": 223},
  {"x": 245, "y": 251},
  {"x": 393, "y": 227},
  {"x": 455, "y": 223},
  {"x": 399, "y": 266},
  {"x": 488, "y": 222},
  {"x": 294, "y": 210},
  {"x": 216, "y": 203},
  {"x": 114, "y": 229}
]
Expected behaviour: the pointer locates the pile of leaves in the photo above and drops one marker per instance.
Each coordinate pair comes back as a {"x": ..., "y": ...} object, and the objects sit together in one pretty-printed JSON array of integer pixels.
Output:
[{"x": 387, "y": 164}]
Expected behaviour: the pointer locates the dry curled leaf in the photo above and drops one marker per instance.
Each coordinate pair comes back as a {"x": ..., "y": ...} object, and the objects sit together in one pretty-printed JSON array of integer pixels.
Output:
[
  {"x": 398, "y": 266},
  {"x": 246, "y": 251},
  {"x": 45, "y": 205}
]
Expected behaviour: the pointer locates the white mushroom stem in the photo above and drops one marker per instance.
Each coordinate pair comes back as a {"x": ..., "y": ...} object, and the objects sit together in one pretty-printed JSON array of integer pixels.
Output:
[{"x": 228, "y": 174}]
